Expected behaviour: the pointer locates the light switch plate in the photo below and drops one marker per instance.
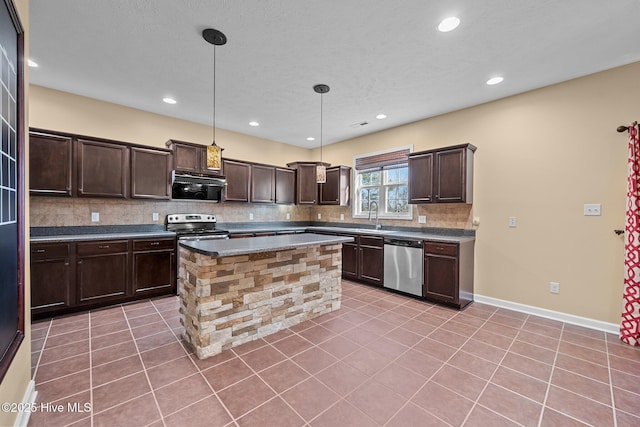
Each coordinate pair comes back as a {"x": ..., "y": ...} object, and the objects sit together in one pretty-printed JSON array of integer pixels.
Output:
[
  {"x": 288, "y": 215},
  {"x": 513, "y": 222},
  {"x": 422, "y": 219},
  {"x": 319, "y": 216},
  {"x": 592, "y": 209},
  {"x": 155, "y": 216},
  {"x": 250, "y": 216},
  {"x": 95, "y": 216},
  {"x": 341, "y": 217}
]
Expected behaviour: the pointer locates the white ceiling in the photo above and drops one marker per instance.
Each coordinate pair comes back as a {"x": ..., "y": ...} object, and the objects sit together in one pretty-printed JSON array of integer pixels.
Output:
[{"x": 377, "y": 56}]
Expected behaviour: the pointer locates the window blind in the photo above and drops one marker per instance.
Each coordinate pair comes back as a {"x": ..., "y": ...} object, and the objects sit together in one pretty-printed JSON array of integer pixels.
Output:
[{"x": 389, "y": 160}]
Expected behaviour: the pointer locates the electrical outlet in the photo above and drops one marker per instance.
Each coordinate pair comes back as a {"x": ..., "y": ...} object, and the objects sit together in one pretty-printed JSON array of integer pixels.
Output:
[
  {"x": 341, "y": 217},
  {"x": 319, "y": 216},
  {"x": 592, "y": 209},
  {"x": 155, "y": 216},
  {"x": 288, "y": 215},
  {"x": 95, "y": 216},
  {"x": 476, "y": 221},
  {"x": 513, "y": 222},
  {"x": 554, "y": 287},
  {"x": 422, "y": 219},
  {"x": 250, "y": 216}
]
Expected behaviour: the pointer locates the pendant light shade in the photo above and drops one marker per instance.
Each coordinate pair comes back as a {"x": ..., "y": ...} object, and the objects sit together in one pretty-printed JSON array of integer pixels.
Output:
[
  {"x": 321, "y": 169},
  {"x": 214, "y": 152}
]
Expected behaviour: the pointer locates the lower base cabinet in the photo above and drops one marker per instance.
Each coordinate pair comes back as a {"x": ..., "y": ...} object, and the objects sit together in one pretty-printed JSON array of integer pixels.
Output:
[
  {"x": 74, "y": 276},
  {"x": 448, "y": 273}
]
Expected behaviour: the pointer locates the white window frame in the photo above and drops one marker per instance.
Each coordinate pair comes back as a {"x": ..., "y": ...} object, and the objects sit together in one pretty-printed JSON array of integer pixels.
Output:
[{"x": 355, "y": 213}]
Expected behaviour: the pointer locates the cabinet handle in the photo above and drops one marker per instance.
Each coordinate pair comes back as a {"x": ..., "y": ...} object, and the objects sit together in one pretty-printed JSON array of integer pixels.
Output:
[
  {"x": 154, "y": 243},
  {"x": 40, "y": 251},
  {"x": 103, "y": 247},
  {"x": 337, "y": 200},
  {"x": 66, "y": 264},
  {"x": 440, "y": 248}
]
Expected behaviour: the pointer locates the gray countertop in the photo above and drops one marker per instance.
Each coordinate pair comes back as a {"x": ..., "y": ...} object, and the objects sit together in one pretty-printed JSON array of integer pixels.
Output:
[
  {"x": 101, "y": 236},
  {"x": 232, "y": 247},
  {"x": 396, "y": 234}
]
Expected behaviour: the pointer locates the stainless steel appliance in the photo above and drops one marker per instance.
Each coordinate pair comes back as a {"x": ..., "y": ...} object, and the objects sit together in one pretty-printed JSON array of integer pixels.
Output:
[
  {"x": 403, "y": 265},
  {"x": 192, "y": 187},
  {"x": 195, "y": 227}
]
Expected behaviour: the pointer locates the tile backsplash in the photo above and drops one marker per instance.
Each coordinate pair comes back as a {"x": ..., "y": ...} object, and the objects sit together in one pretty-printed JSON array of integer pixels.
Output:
[{"x": 75, "y": 211}]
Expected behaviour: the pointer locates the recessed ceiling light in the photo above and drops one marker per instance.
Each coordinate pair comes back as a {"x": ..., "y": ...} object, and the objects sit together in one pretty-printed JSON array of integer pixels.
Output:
[
  {"x": 254, "y": 123},
  {"x": 32, "y": 63},
  {"x": 381, "y": 116},
  {"x": 169, "y": 100},
  {"x": 449, "y": 24},
  {"x": 311, "y": 138},
  {"x": 495, "y": 80}
]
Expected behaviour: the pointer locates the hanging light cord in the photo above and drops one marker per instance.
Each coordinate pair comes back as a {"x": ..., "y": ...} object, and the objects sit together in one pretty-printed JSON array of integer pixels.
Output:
[
  {"x": 321, "y": 110},
  {"x": 214, "y": 95}
]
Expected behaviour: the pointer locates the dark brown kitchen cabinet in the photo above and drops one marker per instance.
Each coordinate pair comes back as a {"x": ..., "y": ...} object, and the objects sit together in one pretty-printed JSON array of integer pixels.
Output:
[
  {"x": 190, "y": 158},
  {"x": 371, "y": 259},
  {"x": 238, "y": 176},
  {"x": 306, "y": 185},
  {"x": 102, "y": 271},
  {"x": 350, "y": 259},
  {"x": 448, "y": 273},
  {"x": 52, "y": 277},
  {"x": 443, "y": 175},
  {"x": 51, "y": 164},
  {"x": 102, "y": 168},
  {"x": 150, "y": 173},
  {"x": 154, "y": 266},
  {"x": 336, "y": 190},
  {"x": 285, "y": 186},
  {"x": 263, "y": 183}
]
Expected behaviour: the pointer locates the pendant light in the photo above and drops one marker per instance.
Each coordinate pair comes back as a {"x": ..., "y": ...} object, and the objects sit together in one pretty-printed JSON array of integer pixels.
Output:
[
  {"x": 214, "y": 152},
  {"x": 321, "y": 169}
]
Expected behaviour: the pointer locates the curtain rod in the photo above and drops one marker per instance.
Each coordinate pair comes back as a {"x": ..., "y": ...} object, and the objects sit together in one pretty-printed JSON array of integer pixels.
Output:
[{"x": 624, "y": 128}]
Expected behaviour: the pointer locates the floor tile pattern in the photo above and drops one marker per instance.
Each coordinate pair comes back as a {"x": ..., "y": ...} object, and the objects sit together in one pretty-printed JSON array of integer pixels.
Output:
[{"x": 381, "y": 360}]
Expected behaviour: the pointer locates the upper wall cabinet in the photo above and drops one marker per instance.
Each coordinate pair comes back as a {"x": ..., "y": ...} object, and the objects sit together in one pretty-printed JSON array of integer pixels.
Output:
[
  {"x": 443, "y": 175},
  {"x": 150, "y": 173},
  {"x": 238, "y": 175},
  {"x": 337, "y": 188},
  {"x": 50, "y": 160},
  {"x": 72, "y": 165},
  {"x": 263, "y": 183},
  {"x": 285, "y": 186},
  {"x": 102, "y": 169},
  {"x": 190, "y": 158}
]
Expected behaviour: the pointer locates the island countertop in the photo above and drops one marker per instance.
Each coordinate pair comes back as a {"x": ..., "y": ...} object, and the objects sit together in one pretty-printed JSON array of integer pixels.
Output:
[{"x": 232, "y": 247}]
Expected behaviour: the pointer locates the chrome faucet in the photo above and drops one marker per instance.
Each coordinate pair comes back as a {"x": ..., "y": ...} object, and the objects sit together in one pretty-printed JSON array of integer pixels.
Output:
[{"x": 378, "y": 226}]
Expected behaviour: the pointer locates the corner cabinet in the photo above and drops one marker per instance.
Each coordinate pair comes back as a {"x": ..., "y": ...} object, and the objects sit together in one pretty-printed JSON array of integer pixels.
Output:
[
  {"x": 306, "y": 187},
  {"x": 448, "y": 272},
  {"x": 443, "y": 175},
  {"x": 336, "y": 191}
]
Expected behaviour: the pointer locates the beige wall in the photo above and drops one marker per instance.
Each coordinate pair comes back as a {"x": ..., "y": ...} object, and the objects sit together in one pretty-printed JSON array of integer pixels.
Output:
[
  {"x": 65, "y": 112},
  {"x": 541, "y": 156},
  {"x": 15, "y": 382}
]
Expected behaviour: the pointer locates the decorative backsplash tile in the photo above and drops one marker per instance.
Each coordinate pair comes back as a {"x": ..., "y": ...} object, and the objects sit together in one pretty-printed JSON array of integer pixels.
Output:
[{"x": 73, "y": 211}]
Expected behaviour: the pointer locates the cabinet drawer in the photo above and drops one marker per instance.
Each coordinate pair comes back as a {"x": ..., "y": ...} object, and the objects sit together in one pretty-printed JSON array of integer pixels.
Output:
[
  {"x": 441, "y": 248},
  {"x": 50, "y": 250},
  {"x": 102, "y": 247},
  {"x": 153, "y": 244},
  {"x": 372, "y": 241}
]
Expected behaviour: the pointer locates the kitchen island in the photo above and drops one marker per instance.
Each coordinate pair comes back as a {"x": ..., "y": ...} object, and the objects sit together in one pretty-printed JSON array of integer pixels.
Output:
[{"x": 239, "y": 290}]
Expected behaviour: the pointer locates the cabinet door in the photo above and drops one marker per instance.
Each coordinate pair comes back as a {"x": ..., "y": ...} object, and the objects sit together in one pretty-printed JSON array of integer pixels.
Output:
[
  {"x": 329, "y": 192},
  {"x": 154, "y": 272},
  {"x": 285, "y": 186},
  {"x": 263, "y": 184},
  {"x": 350, "y": 260},
  {"x": 307, "y": 185},
  {"x": 102, "y": 269},
  {"x": 102, "y": 169},
  {"x": 150, "y": 174},
  {"x": 186, "y": 158},
  {"x": 421, "y": 178},
  {"x": 449, "y": 176},
  {"x": 371, "y": 260},
  {"x": 52, "y": 282},
  {"x": 238, "y": 176},
  {"x": 50, "y": 171},
  {"x": 441, "y": 278}
]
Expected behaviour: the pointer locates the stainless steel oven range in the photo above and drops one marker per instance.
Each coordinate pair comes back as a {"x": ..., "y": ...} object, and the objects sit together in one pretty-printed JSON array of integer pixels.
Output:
[{"x": 195, "y": 227}]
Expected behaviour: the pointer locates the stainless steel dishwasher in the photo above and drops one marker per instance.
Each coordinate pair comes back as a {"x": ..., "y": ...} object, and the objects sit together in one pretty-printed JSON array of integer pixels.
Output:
[{"x": 403, "y": 263}]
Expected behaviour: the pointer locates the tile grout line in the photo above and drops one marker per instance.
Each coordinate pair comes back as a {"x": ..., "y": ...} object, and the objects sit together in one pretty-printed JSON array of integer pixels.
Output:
[
  {"x": 35, "y": 372},
  {"x": 546, "y": 394},
  {"x": 613, "y": 401},
  {"x": 90, "y": 371}
]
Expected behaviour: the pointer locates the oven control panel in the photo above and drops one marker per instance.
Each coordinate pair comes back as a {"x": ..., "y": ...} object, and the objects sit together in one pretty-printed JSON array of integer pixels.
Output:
[{"x": 190, "y": 218}]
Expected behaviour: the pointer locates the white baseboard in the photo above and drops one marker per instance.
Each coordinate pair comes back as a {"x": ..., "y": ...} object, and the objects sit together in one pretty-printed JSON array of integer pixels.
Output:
[
  {"x": 29, "y": 398},
  {"x": 550, "y": 314}
]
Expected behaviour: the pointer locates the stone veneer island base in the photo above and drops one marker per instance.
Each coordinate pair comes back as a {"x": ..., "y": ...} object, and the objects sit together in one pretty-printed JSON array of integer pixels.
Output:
[{"x": 235, "y": 291}]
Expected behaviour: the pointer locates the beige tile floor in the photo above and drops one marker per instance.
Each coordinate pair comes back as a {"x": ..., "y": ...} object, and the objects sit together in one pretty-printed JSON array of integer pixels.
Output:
[{"x": 381, "y": 360}]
